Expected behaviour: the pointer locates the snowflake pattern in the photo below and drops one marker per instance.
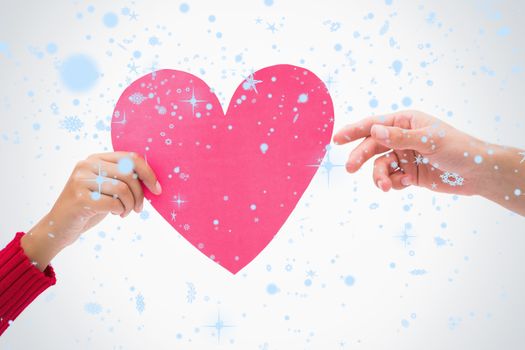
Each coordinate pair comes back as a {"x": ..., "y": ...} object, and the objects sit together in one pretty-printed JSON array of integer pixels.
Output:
[
  {"x": 72, "y": 124},
  {"x": 451, "y": 179},
  {"x": 137, "y": 98}
]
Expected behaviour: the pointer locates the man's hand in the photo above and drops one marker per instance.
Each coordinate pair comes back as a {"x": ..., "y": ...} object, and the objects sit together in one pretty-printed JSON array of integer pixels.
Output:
[{"x": 418, "y": 149}]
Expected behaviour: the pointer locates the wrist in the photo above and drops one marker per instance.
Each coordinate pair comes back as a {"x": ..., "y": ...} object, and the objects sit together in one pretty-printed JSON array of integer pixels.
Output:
[
  {"x": 41, "y": 243},
  {"x": 499, "y": 178},
  {"x": 489, "y": 174}
]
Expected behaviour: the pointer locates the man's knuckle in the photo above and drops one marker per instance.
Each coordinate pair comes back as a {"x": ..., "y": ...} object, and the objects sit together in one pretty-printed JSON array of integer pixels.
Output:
[{"x": 82, "y": 164}]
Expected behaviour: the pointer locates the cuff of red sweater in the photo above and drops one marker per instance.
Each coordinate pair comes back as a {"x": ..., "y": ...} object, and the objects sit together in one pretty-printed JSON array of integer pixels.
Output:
[
  {"x": 20, "y": 280},
  {"x": 14, "y": 259}
]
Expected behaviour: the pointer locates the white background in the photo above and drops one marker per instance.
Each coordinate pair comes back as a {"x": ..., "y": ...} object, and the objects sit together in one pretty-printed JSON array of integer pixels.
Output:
[{"x": 471, "y": 296}]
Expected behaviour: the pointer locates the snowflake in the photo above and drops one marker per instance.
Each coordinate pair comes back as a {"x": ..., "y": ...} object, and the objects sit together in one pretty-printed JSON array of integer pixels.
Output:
[
  {"x": 311, "y": 273},
  {"x": 186, "y": 227},
  {"x": 250, "y": 83},
  {"x": 418, "y": 272},
  {"x": 451, "y": 179},
  {"x": 419, "y": 159},
  {"x": 192, "y": 292},
  {"x": 140, "y": 305},
  {"x": 453, "y": 322},
  {"x": 137, "y": 98},
  {"x": 334, "y": 26},
  {"x": 71, "y": 124}
]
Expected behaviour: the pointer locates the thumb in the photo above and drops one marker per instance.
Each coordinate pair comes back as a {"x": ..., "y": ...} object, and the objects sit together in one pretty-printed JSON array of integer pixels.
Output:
[{"x": 401, "y": 139}]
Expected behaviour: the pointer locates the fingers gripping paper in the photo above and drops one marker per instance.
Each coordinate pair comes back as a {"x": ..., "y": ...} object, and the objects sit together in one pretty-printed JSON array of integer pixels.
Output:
[{"x": 230, "y": 180}]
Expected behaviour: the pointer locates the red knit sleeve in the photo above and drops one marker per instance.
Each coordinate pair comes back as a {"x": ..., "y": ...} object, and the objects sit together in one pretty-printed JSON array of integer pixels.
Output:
[{"x": 20, "y": 281}]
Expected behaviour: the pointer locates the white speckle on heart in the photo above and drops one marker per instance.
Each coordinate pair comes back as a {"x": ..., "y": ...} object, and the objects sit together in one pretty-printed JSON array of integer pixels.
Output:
[{"x": 303, "y": 98}]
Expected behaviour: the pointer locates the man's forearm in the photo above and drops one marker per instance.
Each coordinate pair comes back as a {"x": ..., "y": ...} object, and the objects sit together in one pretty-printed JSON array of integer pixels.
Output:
[{"x": 502, "y": 179}]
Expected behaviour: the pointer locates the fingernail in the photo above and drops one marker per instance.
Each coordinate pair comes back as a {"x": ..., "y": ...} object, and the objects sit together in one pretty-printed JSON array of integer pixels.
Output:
[
  {"x": 141, "y": 206},
  {"x": 405, "y": 181},
  {"x": 158, "y": 188},
  {"x": 380, "y": 184},
  {"x": 380, "y": 132}
]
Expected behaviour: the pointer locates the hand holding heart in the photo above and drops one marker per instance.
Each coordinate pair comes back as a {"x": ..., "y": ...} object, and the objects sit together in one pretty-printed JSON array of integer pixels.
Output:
[
  {"x": 230, "y": 180},
  {"x": 101, "y": 184}
]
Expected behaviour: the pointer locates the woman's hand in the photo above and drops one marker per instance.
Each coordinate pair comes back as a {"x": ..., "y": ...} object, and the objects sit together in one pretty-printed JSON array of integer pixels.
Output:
[
  {"x": 418, "y": 149},
  {"x": 101, "y": 184}
]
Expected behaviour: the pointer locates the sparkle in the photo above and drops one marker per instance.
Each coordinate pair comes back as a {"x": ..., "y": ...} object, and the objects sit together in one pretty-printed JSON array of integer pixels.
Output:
[
  {"x": 329, "y": 81},
  {"x": 404, "y": 236},
  {"x": 219, "y": 325},
  {"x": 99, "y": 180},
  {"x": 178, "y": 200},
  {"x": 251, "y": 83},
  {"x": 123, "y": 121},
  {"x": 326, "y": 164},
  {"x": 433, "y": 186},
  {"x": 193, "y": 101},
  {"x": 419, "y": 159}
]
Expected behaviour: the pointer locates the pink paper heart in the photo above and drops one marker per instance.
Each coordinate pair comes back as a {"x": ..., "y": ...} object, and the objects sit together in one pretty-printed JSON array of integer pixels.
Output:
[{"x": 229, "y": 181}]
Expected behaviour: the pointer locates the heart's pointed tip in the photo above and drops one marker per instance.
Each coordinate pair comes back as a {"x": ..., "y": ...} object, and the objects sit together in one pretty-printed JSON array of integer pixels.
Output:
[{"x": 233, "y": 270}]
